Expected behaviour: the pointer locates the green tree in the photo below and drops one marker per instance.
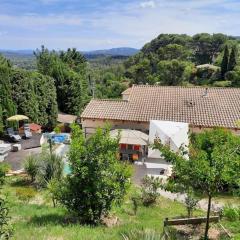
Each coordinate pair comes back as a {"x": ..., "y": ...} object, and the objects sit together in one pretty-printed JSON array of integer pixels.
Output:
[
  {"x": 8, "y": 107},
  {"x": 232, "y": 59},
  {"x": 68, "y": 69},
  {"x": 213, "y": 162},
  {"x": 98, "y": 179},
  {"x": 171, "y": 72},
  {"x": 225, "y": 60}
]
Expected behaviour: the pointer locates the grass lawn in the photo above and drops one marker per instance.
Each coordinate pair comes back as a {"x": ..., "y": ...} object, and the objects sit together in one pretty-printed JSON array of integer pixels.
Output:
[{"x": 38, "y": 219}]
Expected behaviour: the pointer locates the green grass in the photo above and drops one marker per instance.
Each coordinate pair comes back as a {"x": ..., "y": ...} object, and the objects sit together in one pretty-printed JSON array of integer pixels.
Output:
[{"x": 39, "y": 220}]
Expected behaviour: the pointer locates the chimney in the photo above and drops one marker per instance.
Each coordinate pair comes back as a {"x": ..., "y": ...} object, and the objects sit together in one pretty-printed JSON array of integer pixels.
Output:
[{"x": 205, "y": 93}]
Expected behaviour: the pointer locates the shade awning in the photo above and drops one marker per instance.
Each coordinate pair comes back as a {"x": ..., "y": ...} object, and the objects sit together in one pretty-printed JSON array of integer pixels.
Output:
[
  {"x": 131, "y": 137},
  {"x": 17, "y": 118}
]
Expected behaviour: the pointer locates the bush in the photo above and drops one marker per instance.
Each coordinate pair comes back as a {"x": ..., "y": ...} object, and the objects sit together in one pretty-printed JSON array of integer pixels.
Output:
[
  {"x": 31, "y": 165},
  {"x": 190, "y": 203},
  {"x": 53, "y": 187},
  {"x": 25, "y": 194},
  {"x": 50, "y": 166},
  {"x": 231, "y": 213},
  {"x": 4, "y": 168},
  {"x": 6, "y": 229},
  {"x": 150, "y": 186},
  {"x": 222, "y": 84},
  {"x": 97, "y": 180}
]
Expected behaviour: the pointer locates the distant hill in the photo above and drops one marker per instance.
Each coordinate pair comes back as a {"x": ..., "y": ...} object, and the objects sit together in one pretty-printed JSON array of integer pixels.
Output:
[{"x": 124, "y": 51}]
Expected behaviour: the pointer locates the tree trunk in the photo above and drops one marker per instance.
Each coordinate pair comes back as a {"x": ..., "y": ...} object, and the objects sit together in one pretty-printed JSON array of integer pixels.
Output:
[{"x": 208, "y": 215}]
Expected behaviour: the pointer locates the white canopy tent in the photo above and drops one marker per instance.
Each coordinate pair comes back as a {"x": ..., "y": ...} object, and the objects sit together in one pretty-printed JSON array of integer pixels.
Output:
[
  {"x": 175, "y": 134},
  {"x": 128, "y": 136}
]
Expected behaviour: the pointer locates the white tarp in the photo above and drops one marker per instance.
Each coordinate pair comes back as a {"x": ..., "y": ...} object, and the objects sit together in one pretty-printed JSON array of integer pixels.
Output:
[
  {"x": 175, "y": 134},
  {"x": 128, "y": 136}
]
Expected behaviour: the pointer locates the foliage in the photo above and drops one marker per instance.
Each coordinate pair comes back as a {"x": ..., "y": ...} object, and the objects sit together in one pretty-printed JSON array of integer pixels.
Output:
[
  {"x": 31, "y": 165},
  {"x": 171, "y": 73},
  {"x": 57, "y": 129},
  {"x": 150, "y": 187},
  {"x": 225, "y": 60},
  {"x": 213, "y": 163},
  {"x": 28, "y": 93},
  {"x": 190, "y": 203},
  {"x": 97, "y": 179},
  {"x": 7, "y": 105},
  {"x": 50, "y": 166},
  {"x": 170, "y": 59},
  {"x": 68, "y": 69},
  {"x": 4, "y": 167},
  {"x": 143, "y": 234},
  {"x": 231, "y": 213},
  {"x": 6, "y": 229},
  {"x": 53, "y": 187},
  {"x": 25, "y": 193}
]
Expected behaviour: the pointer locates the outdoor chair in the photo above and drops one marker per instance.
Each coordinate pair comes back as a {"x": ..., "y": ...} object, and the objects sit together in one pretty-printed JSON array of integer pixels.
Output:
[
  {"x": 27, "y": 132},
  {"x": 14, "y": 137}
]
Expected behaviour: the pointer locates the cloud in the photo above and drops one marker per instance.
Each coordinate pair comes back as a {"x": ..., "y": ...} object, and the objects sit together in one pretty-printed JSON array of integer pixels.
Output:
[
  {"x": 33, "y": 20},
  {"x": 148, "y": 4}
]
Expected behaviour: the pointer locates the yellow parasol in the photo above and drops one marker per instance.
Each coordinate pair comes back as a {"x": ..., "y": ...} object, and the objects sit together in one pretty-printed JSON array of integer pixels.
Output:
[{"x": 17, "y": 118}]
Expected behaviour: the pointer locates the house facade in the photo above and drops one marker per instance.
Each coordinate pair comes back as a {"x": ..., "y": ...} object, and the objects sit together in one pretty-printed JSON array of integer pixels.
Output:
[{"x": 202, "y": 108}]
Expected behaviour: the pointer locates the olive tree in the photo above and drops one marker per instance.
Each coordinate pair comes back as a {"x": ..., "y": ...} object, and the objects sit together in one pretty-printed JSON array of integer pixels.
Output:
[{"x": 213, "y": 163}]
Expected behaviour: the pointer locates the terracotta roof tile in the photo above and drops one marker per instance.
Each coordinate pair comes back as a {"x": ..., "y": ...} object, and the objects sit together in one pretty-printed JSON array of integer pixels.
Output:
[{"x": 220, "y": 106}]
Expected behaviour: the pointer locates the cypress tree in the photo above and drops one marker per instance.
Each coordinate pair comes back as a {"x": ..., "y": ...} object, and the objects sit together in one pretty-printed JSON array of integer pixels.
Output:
[
  {"x": 233, "y": 59},
  {"x": 8, "y": 107},
  {"x": 224, "y": 65}
]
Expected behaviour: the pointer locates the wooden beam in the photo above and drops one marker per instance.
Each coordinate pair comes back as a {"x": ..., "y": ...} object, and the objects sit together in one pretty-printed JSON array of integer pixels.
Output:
[{"x": 185, "y": 221}]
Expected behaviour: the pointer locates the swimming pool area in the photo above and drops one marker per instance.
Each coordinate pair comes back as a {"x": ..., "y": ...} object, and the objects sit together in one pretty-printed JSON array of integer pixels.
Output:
[
  {"x": 57, "y": 138},
  {"x": 67, "y": 169}
]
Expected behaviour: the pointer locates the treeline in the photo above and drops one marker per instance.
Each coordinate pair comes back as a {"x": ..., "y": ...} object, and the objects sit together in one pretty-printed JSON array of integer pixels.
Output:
[
  {"x": 59, "y": 84},
  {"x": 26, "y": 92},
  {"x": 173, "y": 59}
]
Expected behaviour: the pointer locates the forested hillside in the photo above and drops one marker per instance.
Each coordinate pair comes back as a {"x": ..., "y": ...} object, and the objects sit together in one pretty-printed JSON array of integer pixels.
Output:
[
  {"x": 172, "y": 59},
  {"x": 66, "y": 80}
]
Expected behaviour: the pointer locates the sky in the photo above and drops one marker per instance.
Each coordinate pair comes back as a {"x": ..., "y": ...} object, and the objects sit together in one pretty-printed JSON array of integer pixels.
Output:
[{"x": 104, "y": 24}]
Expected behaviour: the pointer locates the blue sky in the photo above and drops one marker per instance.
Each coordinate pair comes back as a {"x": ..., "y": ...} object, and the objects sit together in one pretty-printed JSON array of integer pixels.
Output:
[{"x": 90, "y": 24}]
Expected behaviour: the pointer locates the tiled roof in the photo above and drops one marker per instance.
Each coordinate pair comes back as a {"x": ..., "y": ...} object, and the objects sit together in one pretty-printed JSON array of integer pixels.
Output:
[{"x": 219, "y": 107}]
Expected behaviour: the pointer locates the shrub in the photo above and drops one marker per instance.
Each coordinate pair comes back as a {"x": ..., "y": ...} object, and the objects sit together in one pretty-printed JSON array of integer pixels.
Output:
[
  {"x": 31, "y": 165},
  {"x": 53, "y": 187},
  {"x": 222, "y": 84},
  {"x": 136, "y": 199},
  {"x": 150, "y": 186},
  {"x": 4, "y": 168},
  {"x": 50, "y": 166},
  {"x": 97, "y": 180},
  {"x": 6, "y": 229},
  {"x": 190, "y": 203},
  {"x": 25, "y": 194},
  {"x": 57, "y": 129},
  {"x": 231, "y": 213}
]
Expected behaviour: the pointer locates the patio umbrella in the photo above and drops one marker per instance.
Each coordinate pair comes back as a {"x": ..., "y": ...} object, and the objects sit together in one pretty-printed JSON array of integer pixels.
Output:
[{"x": 17, "y": 118}]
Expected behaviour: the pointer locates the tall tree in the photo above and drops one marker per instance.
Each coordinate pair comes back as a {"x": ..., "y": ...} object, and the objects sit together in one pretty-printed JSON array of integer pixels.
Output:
[
  {"x": 68, "y": 69},
  {"x": 232, "y": 59},
  {"x": 225, "y": 60},
  {"x": 7, "y": 105},
  {"x": 213, "y": 163}
]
